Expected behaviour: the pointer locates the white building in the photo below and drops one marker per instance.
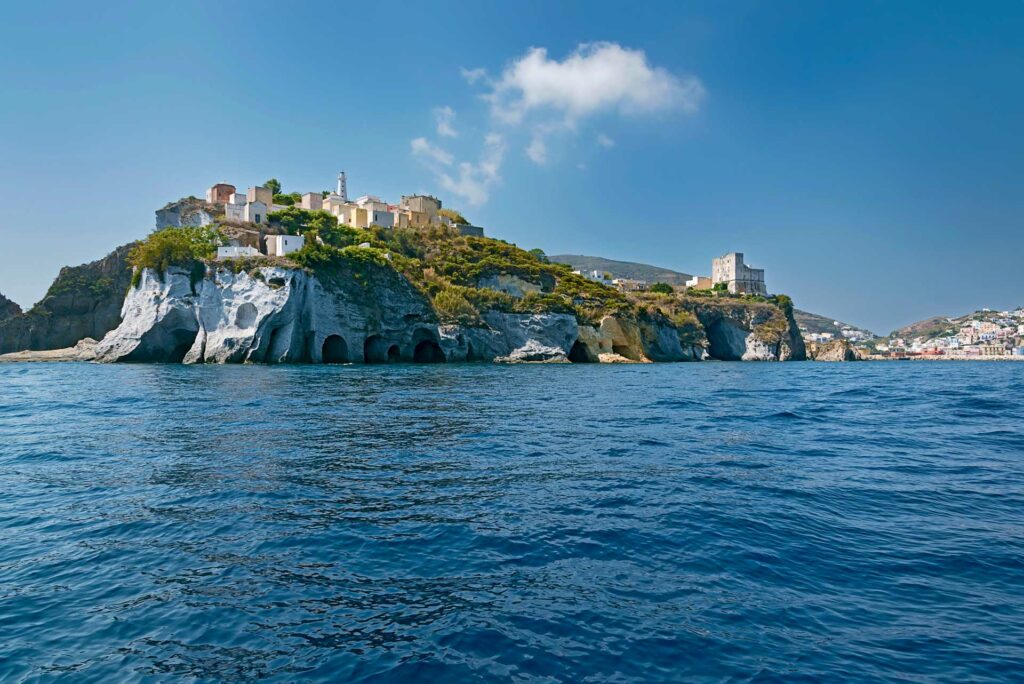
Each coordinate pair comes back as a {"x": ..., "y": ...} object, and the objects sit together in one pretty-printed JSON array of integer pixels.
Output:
[
  {"x": 255, "y": 212},
  {"x": 596, "y": 276},
  {"x": 236, "y": 252},
  {"x": 279, "y": 245}
]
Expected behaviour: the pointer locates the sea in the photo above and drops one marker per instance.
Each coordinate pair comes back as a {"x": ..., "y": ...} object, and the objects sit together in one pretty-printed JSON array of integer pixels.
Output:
[{"x": 707, "y": 522}]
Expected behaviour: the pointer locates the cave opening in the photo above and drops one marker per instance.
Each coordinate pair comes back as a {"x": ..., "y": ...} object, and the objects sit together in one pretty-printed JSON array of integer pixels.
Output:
[
  {"x": 335, "y": 350},
  {"x": 428, "y": 351},
  {"x": 375, "y": 350},
  {"x": 394, "y": 354},
  {"x": 579, "y": 353}
]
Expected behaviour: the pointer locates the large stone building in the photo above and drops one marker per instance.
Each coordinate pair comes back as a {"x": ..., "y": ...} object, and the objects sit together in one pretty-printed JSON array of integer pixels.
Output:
[{"x": 738, "y": 277}]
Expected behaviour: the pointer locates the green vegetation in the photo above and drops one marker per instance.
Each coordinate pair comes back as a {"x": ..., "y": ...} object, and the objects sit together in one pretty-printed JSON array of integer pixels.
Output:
[
  {"x": 720, "y": 287},
  {"x": 663, "y": 288},
  {"x": 453, "y": 307},
  {"x": 289, "y": 200},
  {"x": 173, "y": 247},
  {"x": 453, "y": 215},
  {"x": 75, "y": 281},
  {"x": 539, "y": 255},
  {"x": 273, "y": 185}
]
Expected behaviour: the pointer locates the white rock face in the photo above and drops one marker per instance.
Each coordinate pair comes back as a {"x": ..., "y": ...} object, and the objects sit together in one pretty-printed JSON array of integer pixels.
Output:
[
  {"x": 278, "y": 315},
  {"x": 756, "y": 350},
  {"x": 287, "y": 315}
]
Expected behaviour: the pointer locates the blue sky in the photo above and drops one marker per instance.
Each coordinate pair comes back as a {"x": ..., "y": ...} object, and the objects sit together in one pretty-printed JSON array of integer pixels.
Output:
[{"x": 868, "y": 155}]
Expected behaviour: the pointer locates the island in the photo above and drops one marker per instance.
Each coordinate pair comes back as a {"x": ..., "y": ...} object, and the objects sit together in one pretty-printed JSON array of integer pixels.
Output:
[{"x": 269, "y": 277}]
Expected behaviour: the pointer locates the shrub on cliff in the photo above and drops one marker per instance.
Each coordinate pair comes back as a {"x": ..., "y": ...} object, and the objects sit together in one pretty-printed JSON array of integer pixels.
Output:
[
  {"x": 452, "y": 307},
  {"x": 663, "y": 288},
  {"x": 453, "y": 215},
  {"x": 334, "y": 266},
  {"x": 174, "y": 247}
]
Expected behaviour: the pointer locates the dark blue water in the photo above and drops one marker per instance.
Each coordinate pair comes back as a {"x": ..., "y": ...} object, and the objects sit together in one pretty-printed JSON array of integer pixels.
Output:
[{"x": 765, "y": 522}]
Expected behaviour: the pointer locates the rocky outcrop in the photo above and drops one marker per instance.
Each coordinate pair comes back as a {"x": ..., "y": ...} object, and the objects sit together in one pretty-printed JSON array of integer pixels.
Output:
[
  {"x": 85, "y": 350},
  {"x": 285, "y": 315},
  {"x": 509, "y": 284},
  {"x": 836, "y": 350},
  {"x": 83, "y": 301},
  {"x": 189, "y": 211},
  {"x": 8, "y": 309},
  {"x": 750, "y": 331}
]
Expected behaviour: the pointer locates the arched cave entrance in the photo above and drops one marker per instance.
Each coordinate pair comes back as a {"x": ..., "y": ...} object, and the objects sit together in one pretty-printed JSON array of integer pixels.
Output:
[
  {"x": 428, "y": 351},
  {"x": 580, "y": 354},
  {"x": 394, "y": 354},
  {"x": 624, "y": 351},
  {"x": 375, "y": 350},
  {"x": 335, "y": 350},
  {"x": 246, "y": 315},
  {"x": 726, "y": 340}
]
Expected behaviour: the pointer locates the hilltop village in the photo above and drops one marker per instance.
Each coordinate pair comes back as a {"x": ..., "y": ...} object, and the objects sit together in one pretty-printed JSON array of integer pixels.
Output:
[
  {"x": 261, "y": 204},
  {"x": 258, "y": 206}
]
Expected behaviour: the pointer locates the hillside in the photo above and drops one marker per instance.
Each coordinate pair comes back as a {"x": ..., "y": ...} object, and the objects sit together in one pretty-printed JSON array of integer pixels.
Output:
[
  {"x": 623, "y": 269},
  {"x": 940, "y": 326},
  {"x": 654, "y": 274},
  {"x": 813, "y": 323},
  {"x": 929, "y": 327}
]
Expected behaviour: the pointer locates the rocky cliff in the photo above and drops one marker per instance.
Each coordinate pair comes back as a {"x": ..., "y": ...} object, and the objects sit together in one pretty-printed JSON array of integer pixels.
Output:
[
  {"x": 8, "y": 309},
  {"x": 738, "y": 330},
  {"x": 274, "y": 314},
  {"x": 836, "y": 350},
  {"x": 84, "y": 301},
  {"x": 279, "y": 314},
  {"x": 377, "y": 295}
]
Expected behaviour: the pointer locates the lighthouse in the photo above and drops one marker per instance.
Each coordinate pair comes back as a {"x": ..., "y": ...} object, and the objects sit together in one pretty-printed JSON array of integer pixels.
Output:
[{"x": 342, "y": 187}]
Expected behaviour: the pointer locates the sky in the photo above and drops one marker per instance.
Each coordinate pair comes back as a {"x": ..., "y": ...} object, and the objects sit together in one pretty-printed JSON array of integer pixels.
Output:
[{"x": 868, "y": 155}]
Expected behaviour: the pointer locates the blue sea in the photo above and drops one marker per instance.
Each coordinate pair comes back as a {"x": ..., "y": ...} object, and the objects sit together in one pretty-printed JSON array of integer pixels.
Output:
[{"x": 481, "y": 523}]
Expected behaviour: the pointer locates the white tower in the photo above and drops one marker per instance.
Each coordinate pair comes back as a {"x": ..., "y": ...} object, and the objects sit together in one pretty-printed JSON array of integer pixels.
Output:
[{"x": 342, "y": 187}]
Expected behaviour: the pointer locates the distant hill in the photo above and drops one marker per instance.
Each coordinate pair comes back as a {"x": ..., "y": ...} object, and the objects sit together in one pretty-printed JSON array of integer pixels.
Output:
[
  {"x": 941, "y": 326},
  {"x": 655, "y": 274},
  {"x": 623, "y": 269},
  {"x": 929, "y": 327},
  {"x": 814, "y": 323}
]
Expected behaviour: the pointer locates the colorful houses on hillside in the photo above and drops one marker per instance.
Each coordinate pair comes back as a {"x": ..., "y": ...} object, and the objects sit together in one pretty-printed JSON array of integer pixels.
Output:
[{"x": 413, "y": 211}]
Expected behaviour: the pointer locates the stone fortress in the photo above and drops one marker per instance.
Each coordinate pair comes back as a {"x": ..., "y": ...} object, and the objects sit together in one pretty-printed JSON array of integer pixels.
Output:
[{"x": 737, "y": 276}]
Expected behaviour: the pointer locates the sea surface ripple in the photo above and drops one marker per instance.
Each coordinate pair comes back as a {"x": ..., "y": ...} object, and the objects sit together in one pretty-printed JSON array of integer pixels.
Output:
[{"x": 471, "y": 523}]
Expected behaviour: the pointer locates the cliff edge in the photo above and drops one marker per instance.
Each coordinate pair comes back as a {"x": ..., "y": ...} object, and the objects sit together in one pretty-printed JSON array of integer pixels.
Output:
[{"x": 83, "y": 302}]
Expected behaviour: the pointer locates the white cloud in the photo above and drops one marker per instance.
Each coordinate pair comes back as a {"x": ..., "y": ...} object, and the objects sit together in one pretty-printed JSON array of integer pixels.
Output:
[
  {"x": 537, "y": 150},
  {"x": 445, "y": 117},
  {"x": 596, "y": 77},
  {"x": 472, "y": 75},
  {"x": 471, "y": 182},
  {"x": 421, "y": 147},
  {"x": 547, "y": 98}
]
